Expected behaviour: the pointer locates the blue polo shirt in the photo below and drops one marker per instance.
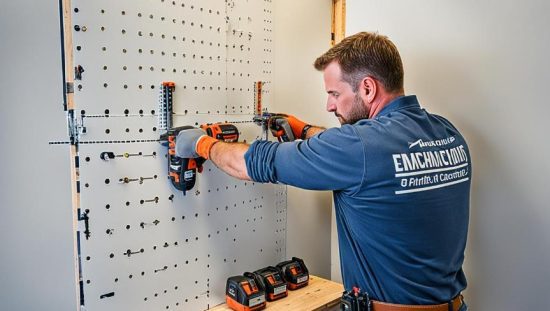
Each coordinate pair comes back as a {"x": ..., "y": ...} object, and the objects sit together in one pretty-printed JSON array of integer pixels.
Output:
[{"x": 401, "y": 184}]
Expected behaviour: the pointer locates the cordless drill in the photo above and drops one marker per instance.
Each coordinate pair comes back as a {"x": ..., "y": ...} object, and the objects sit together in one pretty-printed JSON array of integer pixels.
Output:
[
  {"x": 277, "y": 123},
  {"x": 182, "y": 172}
]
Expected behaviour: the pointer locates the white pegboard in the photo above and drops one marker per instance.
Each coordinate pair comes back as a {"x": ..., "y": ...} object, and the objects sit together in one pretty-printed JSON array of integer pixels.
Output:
[{"x": 182, "y": 248}]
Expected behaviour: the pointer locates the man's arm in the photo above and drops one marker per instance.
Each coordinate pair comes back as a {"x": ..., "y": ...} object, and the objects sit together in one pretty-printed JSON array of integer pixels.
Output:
[
  {"x": 229, "y": 157},
  {"x": 314, "y": 130}
]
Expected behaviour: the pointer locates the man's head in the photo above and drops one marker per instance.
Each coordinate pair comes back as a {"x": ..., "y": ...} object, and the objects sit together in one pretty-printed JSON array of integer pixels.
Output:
[{"x": 362, "y": 74}]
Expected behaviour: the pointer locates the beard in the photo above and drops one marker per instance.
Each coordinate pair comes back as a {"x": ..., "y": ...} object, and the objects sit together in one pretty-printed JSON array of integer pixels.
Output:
[{"x": 357, "y": 112}]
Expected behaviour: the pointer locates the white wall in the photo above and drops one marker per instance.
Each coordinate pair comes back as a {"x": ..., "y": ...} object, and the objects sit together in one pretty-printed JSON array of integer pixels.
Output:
[
  {"x": 36, "y": 265},
  {"x": 36, "y": 235},
  {"x": 484, "y": 65},
  {"x": 302, "y": 33}
]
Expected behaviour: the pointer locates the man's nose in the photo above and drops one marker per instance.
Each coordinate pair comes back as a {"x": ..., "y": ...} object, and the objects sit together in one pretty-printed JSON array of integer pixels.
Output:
[{"x": 331, "y": 107}]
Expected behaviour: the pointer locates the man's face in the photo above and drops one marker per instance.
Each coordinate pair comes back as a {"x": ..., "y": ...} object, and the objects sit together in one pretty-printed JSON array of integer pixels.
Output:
[{"x": 347, "y": 106}]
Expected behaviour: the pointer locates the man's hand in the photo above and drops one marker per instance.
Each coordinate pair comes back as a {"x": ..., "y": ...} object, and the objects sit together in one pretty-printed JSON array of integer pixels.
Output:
[
  {"x": 187, "y": 141},
  {"x": 299, "y": 128}
]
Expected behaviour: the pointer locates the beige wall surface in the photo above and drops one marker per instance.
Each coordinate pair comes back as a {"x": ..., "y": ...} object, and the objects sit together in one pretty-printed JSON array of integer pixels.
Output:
[
  {"x": 484, "y": 65},
  {"x": 36, "y": 233},
  {"x": 302, "y": 33}
]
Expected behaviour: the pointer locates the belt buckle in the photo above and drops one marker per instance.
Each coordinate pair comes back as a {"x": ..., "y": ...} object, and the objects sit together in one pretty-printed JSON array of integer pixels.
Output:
[
  {"x": 364, "y": 302},
  {"x": 355, "y": 301}
]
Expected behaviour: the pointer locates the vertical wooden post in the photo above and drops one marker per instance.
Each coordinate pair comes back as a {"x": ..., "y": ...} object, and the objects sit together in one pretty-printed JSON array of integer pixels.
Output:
[
  {"x": 66, "y": 10},
  {"x": 338, "y": 21}
]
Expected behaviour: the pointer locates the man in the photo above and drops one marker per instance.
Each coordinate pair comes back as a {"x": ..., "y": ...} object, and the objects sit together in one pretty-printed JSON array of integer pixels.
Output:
[{"x": 400, "y": 178}]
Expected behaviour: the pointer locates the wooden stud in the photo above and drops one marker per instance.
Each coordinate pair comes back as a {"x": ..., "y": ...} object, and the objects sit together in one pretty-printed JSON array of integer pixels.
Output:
[
  {"x": 338, "y": 21},
  {"x": 69, "y": 78}
]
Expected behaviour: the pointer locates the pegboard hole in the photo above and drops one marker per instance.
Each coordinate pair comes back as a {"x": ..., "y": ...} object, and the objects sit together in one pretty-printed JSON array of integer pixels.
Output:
[
  {"x": 108, "y": 206},
  {"x": 107, "y": 131},
  {"x": 107, "y": 181},
  {"x": 87, "y": 159}
]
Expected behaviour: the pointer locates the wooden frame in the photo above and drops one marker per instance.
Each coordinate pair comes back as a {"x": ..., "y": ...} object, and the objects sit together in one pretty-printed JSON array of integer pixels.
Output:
[
  {"x": 66, "y": 11},
  {"x": 338, "y": 21}
]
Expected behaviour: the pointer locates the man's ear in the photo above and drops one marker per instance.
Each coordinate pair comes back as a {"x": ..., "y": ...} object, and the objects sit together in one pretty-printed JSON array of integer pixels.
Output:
[{"x": 368, "y": 89}]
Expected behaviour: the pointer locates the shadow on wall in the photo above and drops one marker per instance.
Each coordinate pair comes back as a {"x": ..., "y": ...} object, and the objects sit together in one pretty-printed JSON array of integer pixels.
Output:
[{"x": 508, "y": 251}]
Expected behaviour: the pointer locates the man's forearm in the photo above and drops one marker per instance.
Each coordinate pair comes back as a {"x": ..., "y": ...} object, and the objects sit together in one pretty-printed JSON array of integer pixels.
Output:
[
  {"x": 229, "y": 157},
  {"x": 314, "y": 130}
]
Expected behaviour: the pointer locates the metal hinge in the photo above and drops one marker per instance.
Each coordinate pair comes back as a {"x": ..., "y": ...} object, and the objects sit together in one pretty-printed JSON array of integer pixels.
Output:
[
  {"x": 69, "y": 87},
  {"x": 76, "y": 126}
]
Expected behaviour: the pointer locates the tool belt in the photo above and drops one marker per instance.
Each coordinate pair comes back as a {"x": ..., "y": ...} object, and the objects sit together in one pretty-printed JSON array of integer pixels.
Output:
[{"x": 354, "y": 300}]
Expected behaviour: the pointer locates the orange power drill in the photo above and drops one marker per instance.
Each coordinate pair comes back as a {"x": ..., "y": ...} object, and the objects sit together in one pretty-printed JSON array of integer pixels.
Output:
[{"x": 183, "y": 172}]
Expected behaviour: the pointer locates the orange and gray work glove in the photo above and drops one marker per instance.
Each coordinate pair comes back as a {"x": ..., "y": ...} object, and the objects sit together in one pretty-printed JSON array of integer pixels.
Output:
[
  {"x": 194, "y": 143},
  {"x": 287, "y": 127}
]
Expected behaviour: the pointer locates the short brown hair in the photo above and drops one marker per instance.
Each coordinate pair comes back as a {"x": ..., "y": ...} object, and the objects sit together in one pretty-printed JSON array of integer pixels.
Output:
[{"x": 366, "y": 54}]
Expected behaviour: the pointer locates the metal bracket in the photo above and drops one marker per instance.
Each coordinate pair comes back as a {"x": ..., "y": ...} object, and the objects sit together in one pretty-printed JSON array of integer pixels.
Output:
[
  {"x": 69, "y": 87},
  {"x": 76, "y": 127}
]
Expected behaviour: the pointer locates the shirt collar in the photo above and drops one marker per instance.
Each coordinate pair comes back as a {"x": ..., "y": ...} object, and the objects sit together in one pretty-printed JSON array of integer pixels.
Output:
[{"x": 409, "y": 101}]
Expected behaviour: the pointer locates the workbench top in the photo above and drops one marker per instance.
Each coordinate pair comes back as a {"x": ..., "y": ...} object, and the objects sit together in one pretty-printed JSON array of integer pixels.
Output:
[{"x": 320, "y": 294}]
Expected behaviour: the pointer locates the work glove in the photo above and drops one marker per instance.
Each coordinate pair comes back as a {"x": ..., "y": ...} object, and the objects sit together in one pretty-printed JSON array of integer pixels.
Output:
[
  {"x": 299, "y": 127},
  {"x": 194, "y": 143}
]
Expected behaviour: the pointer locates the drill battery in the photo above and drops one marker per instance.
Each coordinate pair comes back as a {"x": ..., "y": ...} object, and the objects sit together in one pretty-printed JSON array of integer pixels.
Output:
[
  {"x": 294, "y": 272},
  {"x": 243, "y": 294},
  {"x": 270, "y": 279},
  {"x": 225, "y": 132}
]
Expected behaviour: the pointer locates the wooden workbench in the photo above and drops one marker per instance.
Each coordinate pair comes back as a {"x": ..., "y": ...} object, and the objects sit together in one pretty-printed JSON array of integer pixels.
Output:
[{"x": 320, "y": 294}]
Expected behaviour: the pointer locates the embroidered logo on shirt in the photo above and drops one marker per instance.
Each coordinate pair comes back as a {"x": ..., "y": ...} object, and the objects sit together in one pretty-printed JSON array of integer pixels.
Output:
[{"x": 432, "y": 143}]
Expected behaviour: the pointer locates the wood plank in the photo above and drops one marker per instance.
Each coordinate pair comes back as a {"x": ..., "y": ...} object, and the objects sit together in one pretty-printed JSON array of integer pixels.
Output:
[
  {"x": 66, "y": 10},
  {"x": 338, "y": 21},
  {"x": 320, "y": 294}
]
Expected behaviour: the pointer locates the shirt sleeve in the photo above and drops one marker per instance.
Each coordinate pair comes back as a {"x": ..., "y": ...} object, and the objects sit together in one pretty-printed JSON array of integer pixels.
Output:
[{"x": 331, "y": 160}]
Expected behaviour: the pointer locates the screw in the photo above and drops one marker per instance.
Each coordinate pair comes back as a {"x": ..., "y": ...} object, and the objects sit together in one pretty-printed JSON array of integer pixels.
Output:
[
  {"x": 127, "y": 180},
  {"x": 163, "y": 269},
  {"x": 143, "y": 224},
  {"x": 141, "y": 179},
  {"x": 127, "y": 155},
  {"x": 130, "y": 253},
  {"x": 156, "y": 200}
]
